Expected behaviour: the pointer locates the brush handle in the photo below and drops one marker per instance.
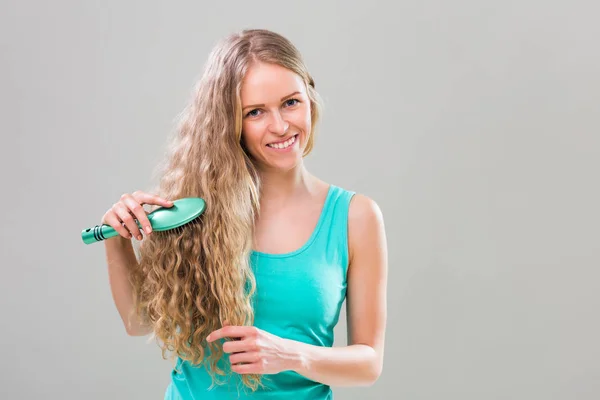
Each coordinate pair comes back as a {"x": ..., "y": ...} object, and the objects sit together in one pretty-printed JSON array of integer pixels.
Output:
[
  {"x": 100, "y": 232},
  {"x": 182, "y": 212}
]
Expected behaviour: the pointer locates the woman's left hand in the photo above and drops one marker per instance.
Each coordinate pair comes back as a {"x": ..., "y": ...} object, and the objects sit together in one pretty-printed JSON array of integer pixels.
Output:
[{"x": 260, "y": 351}]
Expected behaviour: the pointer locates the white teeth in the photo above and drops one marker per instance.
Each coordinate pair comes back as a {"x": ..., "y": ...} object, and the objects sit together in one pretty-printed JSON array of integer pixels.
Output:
[{"x": 285, "y": 144}]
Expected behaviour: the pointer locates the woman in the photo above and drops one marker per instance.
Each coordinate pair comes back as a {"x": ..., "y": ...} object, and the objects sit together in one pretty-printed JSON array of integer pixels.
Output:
[{"x": 247, "y": 296}]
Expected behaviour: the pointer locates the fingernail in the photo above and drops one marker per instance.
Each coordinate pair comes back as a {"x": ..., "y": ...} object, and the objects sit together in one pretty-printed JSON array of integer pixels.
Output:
[{"x": 148, "y": 229}]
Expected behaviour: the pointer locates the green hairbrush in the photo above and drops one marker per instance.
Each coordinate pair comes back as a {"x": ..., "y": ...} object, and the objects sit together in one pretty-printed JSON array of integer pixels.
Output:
[{"x": 180, "y": 213}]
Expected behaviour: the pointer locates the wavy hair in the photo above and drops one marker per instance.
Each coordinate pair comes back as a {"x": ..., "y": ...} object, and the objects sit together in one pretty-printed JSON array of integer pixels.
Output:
[{"x": 190, "y": 280}]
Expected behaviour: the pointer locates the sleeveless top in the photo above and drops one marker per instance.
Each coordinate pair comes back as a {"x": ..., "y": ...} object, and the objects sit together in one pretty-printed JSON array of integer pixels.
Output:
[{"x": 298, "y": 296}]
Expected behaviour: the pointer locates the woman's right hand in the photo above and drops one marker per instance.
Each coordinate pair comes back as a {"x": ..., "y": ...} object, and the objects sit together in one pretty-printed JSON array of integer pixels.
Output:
[{"x": 129, "y": 208}]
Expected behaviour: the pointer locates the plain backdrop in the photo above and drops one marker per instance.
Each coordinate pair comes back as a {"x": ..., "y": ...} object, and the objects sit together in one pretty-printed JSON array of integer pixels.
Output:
[{"x": 473, "y": 124}]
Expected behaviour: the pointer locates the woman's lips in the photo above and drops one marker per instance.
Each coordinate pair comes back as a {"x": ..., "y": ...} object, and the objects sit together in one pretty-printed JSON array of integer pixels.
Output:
[{"x": 291, "y": 146}]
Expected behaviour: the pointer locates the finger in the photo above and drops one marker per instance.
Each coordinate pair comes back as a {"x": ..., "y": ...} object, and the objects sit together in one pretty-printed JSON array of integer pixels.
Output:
[
  {"x": 246, "y": 357},
  {"x": 253, "y": 368},
  {"x": 111, "y": 219},
  {"x": 139, "y": 212},
  {"x": 147, "y": 198},
  {"x": 123, "y": 213},
  {"x": 238, "y": 346},
  {"x": 226, "y": 323},
  {"x": 230, "y": 331}
]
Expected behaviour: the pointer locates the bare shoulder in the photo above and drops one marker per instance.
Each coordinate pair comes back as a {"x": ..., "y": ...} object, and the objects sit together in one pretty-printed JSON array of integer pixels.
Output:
[
  {"x": 365, "y": 224},
  {"x": 363, "y": 208}
]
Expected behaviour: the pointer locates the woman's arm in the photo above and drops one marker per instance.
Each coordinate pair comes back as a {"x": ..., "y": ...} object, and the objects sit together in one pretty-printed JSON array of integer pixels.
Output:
[
  {"x": 120, "y": 258},
  {"x": 361, "y": 362}
]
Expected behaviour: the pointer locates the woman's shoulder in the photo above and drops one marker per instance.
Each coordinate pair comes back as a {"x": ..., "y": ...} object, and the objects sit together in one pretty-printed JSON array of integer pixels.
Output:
[
  {"x": 363, "y": 211},
  {"x": 361, "y": 207},
  {"x": 359, "y": 204},
  {"x": 365, "y": 222}
]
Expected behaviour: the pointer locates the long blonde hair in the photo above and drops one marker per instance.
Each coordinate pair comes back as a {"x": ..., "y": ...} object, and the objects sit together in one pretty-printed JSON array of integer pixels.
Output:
[{"x": 190, "y": 280}]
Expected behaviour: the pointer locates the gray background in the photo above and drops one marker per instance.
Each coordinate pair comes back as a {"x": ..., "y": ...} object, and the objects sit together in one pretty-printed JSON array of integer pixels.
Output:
[{"x": 474, "y": 125}]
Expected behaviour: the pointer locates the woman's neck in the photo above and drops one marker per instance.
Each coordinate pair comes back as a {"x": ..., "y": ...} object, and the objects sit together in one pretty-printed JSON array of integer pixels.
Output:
[{"x": 281, "y": 189}]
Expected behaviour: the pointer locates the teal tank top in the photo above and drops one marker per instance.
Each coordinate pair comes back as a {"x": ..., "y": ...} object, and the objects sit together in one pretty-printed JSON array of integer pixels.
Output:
[{"x": 298, "y": 296}]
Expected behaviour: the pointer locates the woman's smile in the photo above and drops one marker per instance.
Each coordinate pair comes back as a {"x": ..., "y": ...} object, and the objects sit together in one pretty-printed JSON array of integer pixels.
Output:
[{"x": 286, "y": 146}]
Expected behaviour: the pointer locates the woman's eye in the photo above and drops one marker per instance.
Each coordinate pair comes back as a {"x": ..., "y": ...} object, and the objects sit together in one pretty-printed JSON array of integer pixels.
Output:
[
  {"x": 253, "y": 113},
  {"x": 288, "y": 103}
]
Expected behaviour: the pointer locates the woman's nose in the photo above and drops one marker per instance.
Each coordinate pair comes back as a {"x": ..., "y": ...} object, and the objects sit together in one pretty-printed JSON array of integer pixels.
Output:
[{"x": 278, "y": 124}]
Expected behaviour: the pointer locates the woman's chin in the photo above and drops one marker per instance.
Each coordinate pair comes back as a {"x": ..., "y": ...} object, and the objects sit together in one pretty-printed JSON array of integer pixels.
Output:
[{"x": 283, "y": 164}]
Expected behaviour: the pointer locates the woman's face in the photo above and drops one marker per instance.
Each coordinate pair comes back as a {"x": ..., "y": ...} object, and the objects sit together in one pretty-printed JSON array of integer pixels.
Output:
[{"x": 276, "y": 119}]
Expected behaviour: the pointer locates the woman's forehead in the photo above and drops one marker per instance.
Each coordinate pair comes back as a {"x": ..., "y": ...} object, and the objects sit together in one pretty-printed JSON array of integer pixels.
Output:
[{"x": 269, "y": 82}]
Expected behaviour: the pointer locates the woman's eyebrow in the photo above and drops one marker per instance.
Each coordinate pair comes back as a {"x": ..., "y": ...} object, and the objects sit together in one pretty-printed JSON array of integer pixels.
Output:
[{"x": 262, "y": 105}]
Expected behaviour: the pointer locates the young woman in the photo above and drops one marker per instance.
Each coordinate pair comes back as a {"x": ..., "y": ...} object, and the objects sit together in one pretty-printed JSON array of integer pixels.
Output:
[{"x": 248, "y": 295}]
